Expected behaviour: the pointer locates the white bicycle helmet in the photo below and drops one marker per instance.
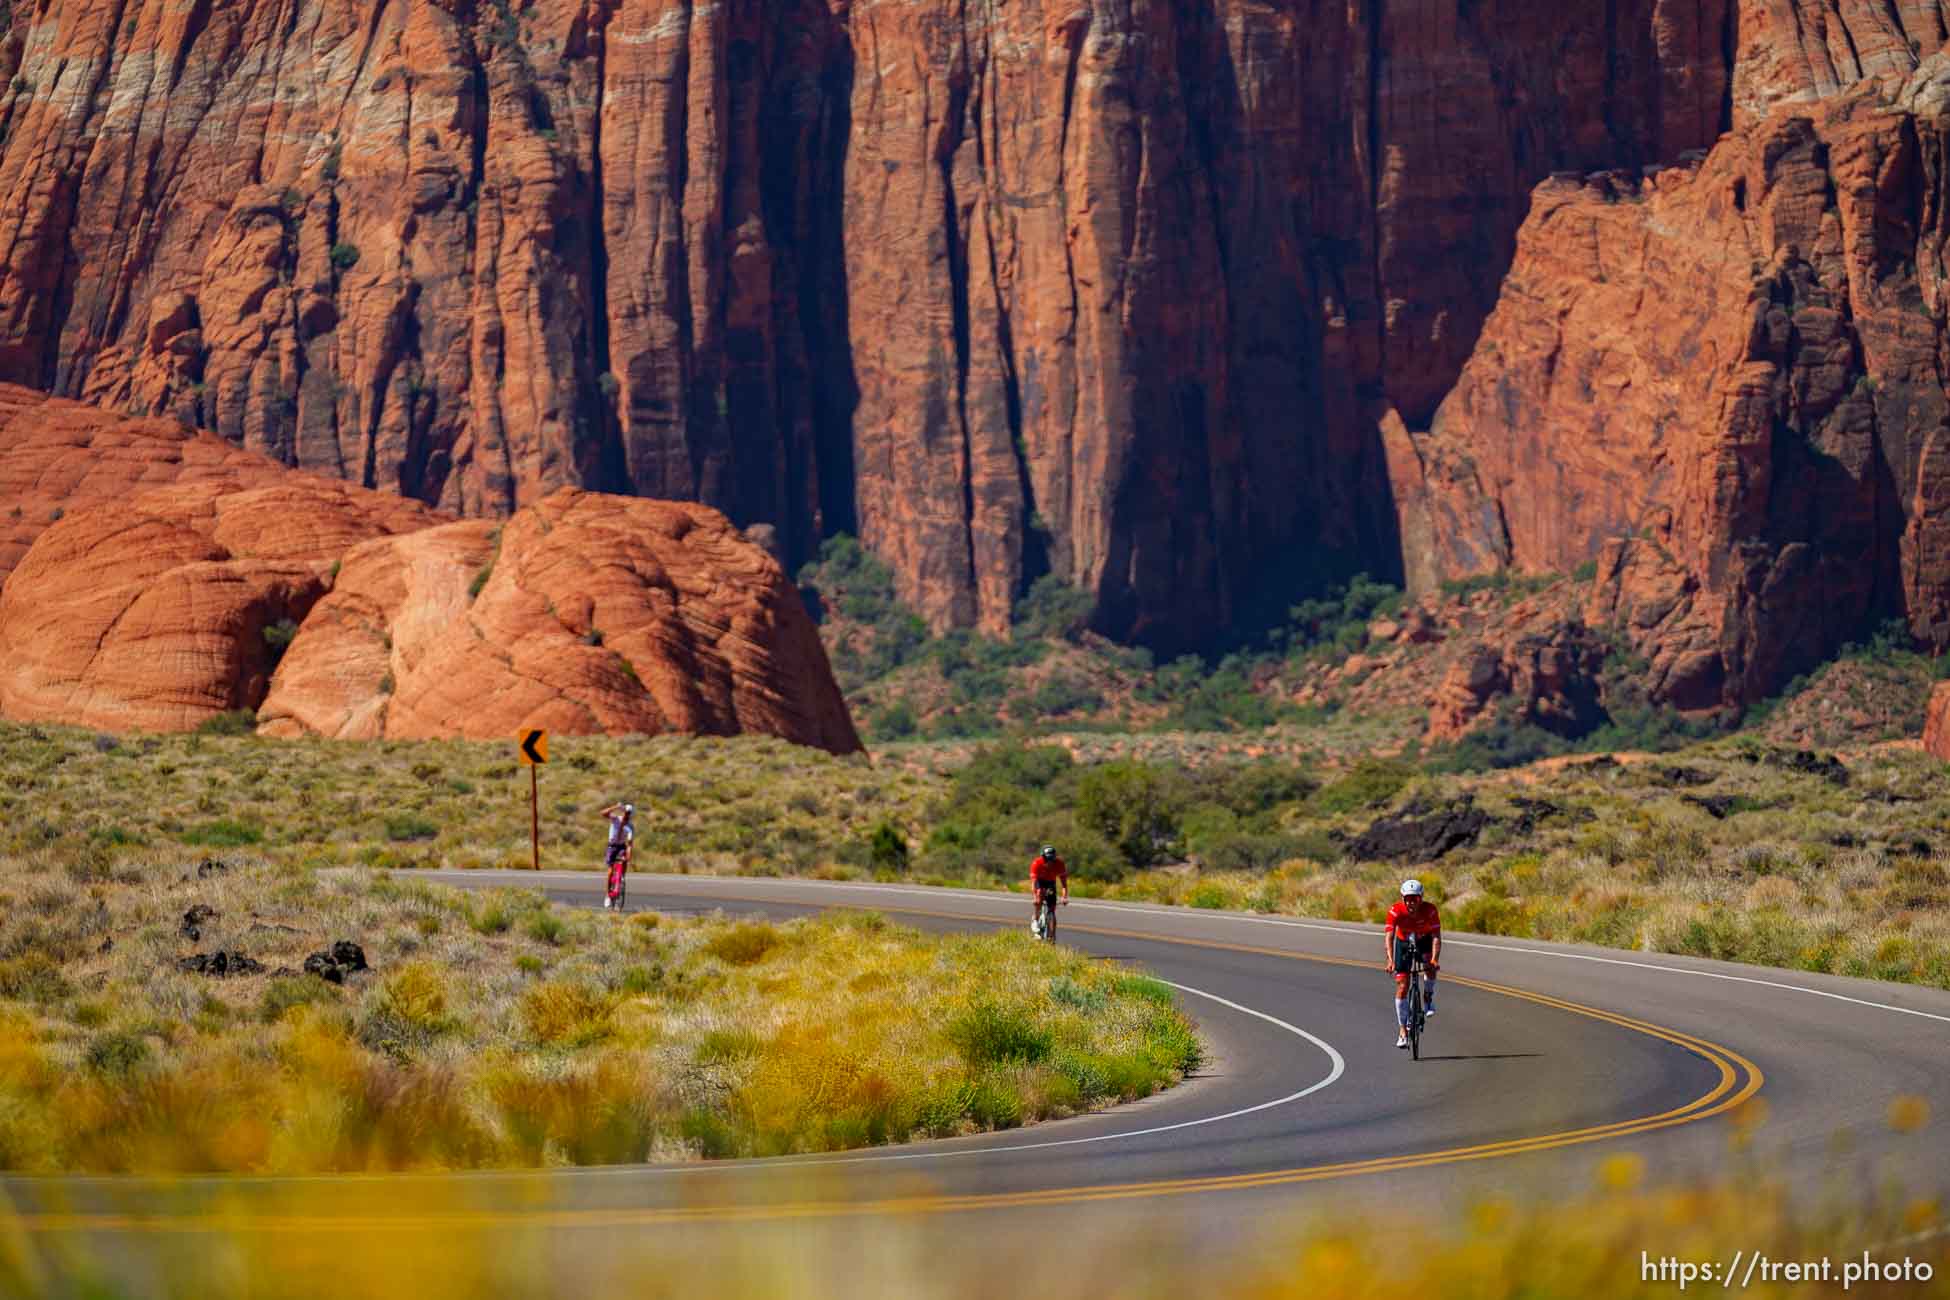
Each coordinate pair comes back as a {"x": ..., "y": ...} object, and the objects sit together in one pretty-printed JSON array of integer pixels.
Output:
[{"x": 1411, "y": 889}]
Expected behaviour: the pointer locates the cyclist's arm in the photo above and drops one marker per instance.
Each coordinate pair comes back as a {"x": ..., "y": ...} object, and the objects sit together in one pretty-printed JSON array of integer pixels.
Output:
[
  {"x": 1063, "y": 878},
  {"x": 1435, "y": 949}
]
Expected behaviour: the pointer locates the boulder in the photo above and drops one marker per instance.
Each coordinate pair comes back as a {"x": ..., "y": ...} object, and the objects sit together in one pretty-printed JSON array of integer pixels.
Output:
[
  {"x": 150, "y": 612},
  {"x": 582, "y": 614}
]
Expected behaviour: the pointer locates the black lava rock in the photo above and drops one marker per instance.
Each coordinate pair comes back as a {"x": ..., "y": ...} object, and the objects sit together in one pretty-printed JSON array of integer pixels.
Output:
[
  {"x": 333, "y": 965},
  {"x": 221, "y": 963},
  {"x": 1421, "y": 832},
  {"x": 1674, "y": 775},
  {"x": 194, "y": 918},
  {"x": 1716, "y": 806}
]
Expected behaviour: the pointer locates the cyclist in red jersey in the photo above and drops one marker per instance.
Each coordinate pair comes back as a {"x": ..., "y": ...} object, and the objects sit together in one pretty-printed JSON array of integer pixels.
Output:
[
  {"x": 1046, "y": 874},
  {"x": 1413, "y": 925}
]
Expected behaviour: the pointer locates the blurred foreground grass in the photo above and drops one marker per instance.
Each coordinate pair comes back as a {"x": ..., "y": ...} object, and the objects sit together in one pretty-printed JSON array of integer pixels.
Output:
[{"x": 1607, "y": 1243}]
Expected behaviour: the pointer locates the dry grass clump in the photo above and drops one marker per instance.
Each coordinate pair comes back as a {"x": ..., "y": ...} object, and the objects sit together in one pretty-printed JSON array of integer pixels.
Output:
[{"x": 481, "y": 1037}]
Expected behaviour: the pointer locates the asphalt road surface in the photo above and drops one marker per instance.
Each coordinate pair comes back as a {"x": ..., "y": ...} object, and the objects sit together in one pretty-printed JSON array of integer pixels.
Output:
[{"x": 1542, "y": 1062}]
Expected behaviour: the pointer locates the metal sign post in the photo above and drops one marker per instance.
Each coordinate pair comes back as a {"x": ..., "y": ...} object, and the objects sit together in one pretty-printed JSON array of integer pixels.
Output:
[{"x": 533, "y": 745}]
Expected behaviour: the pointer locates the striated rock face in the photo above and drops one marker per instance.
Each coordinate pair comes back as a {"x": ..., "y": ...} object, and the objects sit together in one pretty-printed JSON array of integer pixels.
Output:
[
  {"x": 582, "y": 614},
  {"x": 57, "y": 457},
  {"x": 1798, "y": 51},
  {"x": 1724, "y": 389},
  {"x": 1118, "y": 289},
  {"x": 150, "y": 612}
]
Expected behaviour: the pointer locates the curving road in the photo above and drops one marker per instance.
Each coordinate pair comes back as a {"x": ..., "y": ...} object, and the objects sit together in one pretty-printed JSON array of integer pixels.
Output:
[{"x": 1543, "y": 1061}]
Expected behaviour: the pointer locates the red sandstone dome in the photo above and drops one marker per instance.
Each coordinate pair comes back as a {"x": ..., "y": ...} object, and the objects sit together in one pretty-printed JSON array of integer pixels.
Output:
[{"x": 156, "y": 607}]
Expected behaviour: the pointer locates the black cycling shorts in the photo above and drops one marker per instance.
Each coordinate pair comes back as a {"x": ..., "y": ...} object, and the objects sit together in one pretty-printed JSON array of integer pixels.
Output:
[
  {"x": 1046, "y": 889},
  {"x": 1424, "y": 943}
]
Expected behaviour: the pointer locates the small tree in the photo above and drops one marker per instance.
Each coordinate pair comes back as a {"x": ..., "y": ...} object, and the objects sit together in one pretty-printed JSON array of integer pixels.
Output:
[
  {"x": 1130, "y": 805},
  {"x": 887, "y": 848}
]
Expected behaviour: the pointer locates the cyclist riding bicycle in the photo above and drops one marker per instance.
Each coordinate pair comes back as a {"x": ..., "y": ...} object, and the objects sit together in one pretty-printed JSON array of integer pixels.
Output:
[
  {"x": 1413, "y": 927},
  {"x": 622, "y": 841},
  {"x": 1046, "y": 874}
]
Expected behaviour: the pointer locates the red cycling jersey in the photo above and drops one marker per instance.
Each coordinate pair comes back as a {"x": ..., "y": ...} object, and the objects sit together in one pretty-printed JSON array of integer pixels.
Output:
[
  {"x": 1048, "y": 869},
  {"x": 1406, "y": 919}
]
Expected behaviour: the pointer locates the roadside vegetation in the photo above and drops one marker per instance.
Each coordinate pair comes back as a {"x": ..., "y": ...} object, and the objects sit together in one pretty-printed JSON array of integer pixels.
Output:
[
  {"x": 175, "y": 1014},
  {"x": 1736, "y": 848}
]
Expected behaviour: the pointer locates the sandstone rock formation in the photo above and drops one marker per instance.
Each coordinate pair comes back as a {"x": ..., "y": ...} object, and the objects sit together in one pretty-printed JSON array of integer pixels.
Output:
[
  {"x": 1116, "y": 290},
  {"x": 1936, "y": 723},
  {"x": 150, "y": 612},
  {"x": 138, "y": 606},
  {"x": 1161, "y": 297},
  {"x": 1723, "y": 388},
  {"x": 57, "y": 457},
  {"x": 582, "y": 614}
]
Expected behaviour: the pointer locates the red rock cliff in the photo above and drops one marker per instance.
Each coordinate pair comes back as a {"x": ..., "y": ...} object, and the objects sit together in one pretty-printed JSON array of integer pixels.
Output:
[
  {"x": 1115, "y": 288},
  {"x": 1725, "y": 388},
  {"x": 1153, "y": 294}
]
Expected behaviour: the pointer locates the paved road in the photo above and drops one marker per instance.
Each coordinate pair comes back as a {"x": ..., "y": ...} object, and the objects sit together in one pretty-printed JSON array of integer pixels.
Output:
[{"x": 1543, "y": 1061}]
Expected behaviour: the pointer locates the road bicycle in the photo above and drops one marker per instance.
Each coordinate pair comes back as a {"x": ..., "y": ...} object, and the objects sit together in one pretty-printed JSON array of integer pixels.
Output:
[
  {"x": 622, "y": 879},
  {"x": 1417, "y": 1011},
  {"x": 1044, "y": 926}
]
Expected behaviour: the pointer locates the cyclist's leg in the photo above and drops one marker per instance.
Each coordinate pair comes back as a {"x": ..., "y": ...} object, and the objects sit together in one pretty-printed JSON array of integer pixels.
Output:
[
  {"x": 1401, "y": 983},
  {"x": 1428, "y": 979}
]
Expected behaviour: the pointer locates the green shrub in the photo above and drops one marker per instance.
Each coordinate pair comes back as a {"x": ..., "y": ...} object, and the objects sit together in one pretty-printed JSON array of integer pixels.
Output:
[
  {"x": 887, "y": 848},
  {"x": 545, "y": 926},
  {"x": 1371, "y": 783},
  {"x": 277, "y": 639},
  {"x": 223, "y": 833},
  {"x": 492, "y": 918},
  {"x": 895, "y": 722},
  {"x": 233, "y": 722},
  {"x": 1131, "y": 805},
  {"x": 1053, "y": 608},
  {"x": 991, "y": 1034},
  {"x": 411, "y": 826},
  {"x": 1492, "y": 914},
  {"x": 288, "y": 991},
  {"x": 116, "y": 1055},
  {"x": 744, "y": 944},
  {"x": 32, "y": 977},
  {"x": 344, "y": 256}
]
